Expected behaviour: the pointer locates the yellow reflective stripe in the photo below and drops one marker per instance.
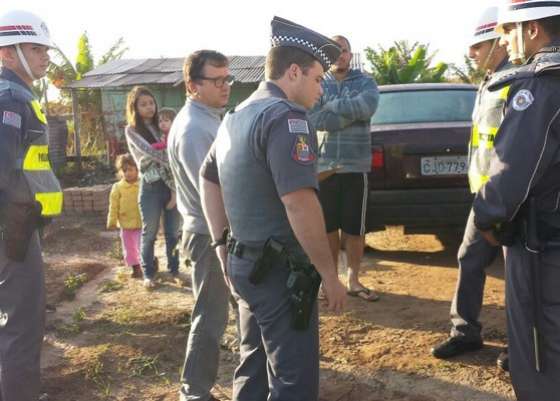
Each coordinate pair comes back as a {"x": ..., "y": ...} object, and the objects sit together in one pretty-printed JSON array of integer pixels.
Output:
[
  {"x": 37, "y": 158},
  {"x": 51, "y": 203},
  {"x": 504, "y": 93},
  {"x": 38, "y": 111},
  {"x": 474, "y": 136},
  {"x": 477, "y": 181}
]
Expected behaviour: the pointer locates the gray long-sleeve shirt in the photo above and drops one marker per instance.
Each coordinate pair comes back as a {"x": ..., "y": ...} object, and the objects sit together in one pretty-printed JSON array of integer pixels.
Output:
[{"x": 192, "y": 133}]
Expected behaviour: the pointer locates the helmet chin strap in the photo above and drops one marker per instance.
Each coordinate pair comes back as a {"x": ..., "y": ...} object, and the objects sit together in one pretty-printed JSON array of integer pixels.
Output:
[
  {"x": 24, "y": 63},
  {"x": 518, "y": 47},
  {"x": 484, "y": 66}
]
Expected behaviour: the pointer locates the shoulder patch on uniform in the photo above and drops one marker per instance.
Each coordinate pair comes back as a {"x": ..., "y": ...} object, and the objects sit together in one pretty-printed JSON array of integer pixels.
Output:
[
  {"x": 302, "y": 152},
  {"x": 11, "y": 118},
  {"x": 298, "y": 126},
  {"x": 522, "y": 100}
]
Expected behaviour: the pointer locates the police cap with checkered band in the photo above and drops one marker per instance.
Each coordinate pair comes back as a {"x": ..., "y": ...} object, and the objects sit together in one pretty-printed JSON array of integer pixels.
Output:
[{"x": 288, "y": 33}]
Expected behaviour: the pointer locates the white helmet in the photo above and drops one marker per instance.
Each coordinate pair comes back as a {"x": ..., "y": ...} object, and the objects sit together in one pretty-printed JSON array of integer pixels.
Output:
[
  {"x": 485, "y": 27},
  {"x": 23, "y": 27},
  {"x": 519, "y": 11},
  {"x": 526, "y": 10}
]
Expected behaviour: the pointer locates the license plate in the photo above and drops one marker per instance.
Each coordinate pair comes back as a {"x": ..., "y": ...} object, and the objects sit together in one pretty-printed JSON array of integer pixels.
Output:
[{"x": 443, "y": 165}]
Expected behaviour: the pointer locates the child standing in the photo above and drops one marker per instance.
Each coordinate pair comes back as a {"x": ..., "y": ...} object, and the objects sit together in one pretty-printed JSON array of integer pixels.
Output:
[
  {"x": 124, "y": 212},
  {"x": 156, "y": 183}
]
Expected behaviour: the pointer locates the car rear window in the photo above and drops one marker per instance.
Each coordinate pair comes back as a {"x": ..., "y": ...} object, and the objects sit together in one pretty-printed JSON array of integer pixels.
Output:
[{"x": 424, "y": 106}]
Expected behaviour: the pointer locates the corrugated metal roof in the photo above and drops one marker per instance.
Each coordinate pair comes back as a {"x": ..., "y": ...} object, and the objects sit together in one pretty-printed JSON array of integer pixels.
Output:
[{"x": 168, "y": 71}]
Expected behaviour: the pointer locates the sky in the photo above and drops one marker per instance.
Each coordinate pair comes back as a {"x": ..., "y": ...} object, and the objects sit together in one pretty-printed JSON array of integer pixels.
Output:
[{"x": 174, "y": 28}]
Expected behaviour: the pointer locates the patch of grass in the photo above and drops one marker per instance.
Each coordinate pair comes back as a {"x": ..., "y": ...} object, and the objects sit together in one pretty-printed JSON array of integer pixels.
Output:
[
  {"x": 79, "y": 315},
  {"x": 110, "y": 286},
  {"x": 95, "y": 372},
  {"x": 143, "y": 366},
  {"x": 127, "y": 316},
  {"x": 68, "y": 330},
  {"x": 73, "y": 328},
  {"x": 73, "y": 283}
]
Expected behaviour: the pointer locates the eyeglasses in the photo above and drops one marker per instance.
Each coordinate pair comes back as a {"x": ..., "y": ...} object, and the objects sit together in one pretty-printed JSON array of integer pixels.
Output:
[{"x": 218, "y": 81}]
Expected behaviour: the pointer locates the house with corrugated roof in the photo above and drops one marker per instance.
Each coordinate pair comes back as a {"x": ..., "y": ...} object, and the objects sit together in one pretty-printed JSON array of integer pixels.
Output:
[{"x": 164, "y": 77}]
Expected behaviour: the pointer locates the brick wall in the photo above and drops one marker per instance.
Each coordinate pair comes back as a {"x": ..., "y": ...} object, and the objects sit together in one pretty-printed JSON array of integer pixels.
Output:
[{"x": 87, "y": 200}]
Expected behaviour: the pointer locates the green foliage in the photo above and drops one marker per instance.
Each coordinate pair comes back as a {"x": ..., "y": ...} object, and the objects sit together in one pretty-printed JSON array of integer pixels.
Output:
[
  {"x": 72, "y": 283},
  {"x": 110, "y": 286},
  {"x": 115, "y": 52},
  {"x": 468, "y": 73},
  {"x": 62, "y": 72},
  {"x": 143, "y": 365},
  {"x": 404, "y": 63},
  {"x": 84, "y": 60}
]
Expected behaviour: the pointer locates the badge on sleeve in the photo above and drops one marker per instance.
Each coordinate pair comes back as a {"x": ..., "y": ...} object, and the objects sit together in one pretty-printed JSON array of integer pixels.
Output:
[
  {"x": 12, "y": 119},
  {"x": 298, "y": 126},
  {"x": 522, "y": 100},
  {"x": 302, "y": 151}
]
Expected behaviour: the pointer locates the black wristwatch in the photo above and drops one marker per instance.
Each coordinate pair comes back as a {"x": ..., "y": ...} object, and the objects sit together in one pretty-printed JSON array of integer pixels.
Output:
[{"x": 221, "y": 240}]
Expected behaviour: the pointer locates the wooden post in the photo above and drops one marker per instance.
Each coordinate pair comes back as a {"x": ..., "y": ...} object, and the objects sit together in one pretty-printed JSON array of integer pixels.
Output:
[{"x": 76, "y": 114}]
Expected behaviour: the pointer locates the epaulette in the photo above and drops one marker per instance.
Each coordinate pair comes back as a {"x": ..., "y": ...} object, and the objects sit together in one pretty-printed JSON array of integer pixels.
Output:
[
  {"x": 15, "y": 91},
  {"x": 503, "y": 78},
  {"x": 548, "y": 61}
]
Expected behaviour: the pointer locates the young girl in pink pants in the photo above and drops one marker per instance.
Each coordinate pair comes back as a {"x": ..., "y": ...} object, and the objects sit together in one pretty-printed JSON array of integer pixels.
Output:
[{"x": 124, "y": 212}]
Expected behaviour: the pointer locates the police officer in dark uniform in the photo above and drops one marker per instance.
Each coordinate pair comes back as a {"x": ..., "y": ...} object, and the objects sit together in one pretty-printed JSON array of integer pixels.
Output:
[
  {"x": 519, "y": 206},
  {"x": 29, "y": 194},
  {"x": 261, "y": 174},
  {"x": 475, "y": 253}
]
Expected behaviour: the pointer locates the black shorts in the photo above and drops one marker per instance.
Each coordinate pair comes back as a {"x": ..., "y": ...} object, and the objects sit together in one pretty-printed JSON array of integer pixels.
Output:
[{"x": 344, "y": 201}]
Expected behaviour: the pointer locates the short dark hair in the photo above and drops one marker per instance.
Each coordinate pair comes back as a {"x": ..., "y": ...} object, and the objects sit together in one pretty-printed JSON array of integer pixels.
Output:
[
  {"x": 280, "y": 58},
  {"x": 551, "y": 25},
  {"x": 195, "y": 62},
  {"x": 344, "y": 38}
]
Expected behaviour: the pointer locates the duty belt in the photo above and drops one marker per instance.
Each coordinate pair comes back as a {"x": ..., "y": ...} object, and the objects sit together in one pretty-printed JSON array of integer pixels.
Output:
[{"x": 243, "y": 251}]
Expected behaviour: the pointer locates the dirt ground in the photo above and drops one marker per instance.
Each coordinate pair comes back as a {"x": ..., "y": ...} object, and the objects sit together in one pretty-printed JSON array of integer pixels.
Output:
[{"x": 109, "y": 339}]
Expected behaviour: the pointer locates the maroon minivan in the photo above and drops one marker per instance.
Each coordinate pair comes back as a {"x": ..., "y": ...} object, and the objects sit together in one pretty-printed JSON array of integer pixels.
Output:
[{"x": 419, "y": 135}]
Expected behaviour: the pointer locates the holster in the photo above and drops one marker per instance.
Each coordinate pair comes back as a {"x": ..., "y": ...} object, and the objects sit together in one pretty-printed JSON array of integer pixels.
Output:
[
  {"x": 272, "y": 251},
  {"x": 303, "y": 283},
  {"x": 19, "y": 221},
  {"x": 506, "y": 233}
]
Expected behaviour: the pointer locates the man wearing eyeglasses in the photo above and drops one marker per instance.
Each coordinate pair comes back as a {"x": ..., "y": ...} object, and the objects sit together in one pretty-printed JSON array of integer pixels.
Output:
[{"x": 207, "y": 81}]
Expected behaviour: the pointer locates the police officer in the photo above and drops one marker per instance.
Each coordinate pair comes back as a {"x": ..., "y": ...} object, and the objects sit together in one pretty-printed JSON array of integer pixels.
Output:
[
  {"x": 263, "y": 165},
  {"x": 519, "y": 204},
  {"x": 29, "y": 194},
  {"x": 475, "y": 253}
]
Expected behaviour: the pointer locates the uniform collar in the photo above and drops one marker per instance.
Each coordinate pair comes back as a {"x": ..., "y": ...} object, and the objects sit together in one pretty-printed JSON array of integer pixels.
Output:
[
  {"x": 549, "y": 48},
  {"x": 270, "y": 89},
  {"x": 9, "y": 75},
  {"x": 503, "y": 65}
]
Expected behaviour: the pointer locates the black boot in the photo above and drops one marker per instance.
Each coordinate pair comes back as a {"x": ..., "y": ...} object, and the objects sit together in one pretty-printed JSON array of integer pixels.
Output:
[{"x": 456, "y": 345}]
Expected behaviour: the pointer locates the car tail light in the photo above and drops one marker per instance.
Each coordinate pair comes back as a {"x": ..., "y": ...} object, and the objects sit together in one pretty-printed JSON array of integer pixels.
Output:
[{"x": 377, "y": 158}]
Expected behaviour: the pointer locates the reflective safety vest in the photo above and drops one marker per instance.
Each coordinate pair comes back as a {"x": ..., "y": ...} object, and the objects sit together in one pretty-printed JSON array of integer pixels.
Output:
[
  {"x": 33, "y": 159},
  {"x": 37, "y": 170},
  {"x": 487, "y": 117}
]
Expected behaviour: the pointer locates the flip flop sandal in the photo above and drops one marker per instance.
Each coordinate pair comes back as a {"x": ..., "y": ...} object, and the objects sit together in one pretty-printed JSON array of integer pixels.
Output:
[{"x": 364, "y": 293}]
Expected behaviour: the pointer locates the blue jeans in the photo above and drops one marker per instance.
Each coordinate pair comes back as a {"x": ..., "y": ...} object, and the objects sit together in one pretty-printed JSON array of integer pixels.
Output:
[{"x": 152, "y": 200}]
